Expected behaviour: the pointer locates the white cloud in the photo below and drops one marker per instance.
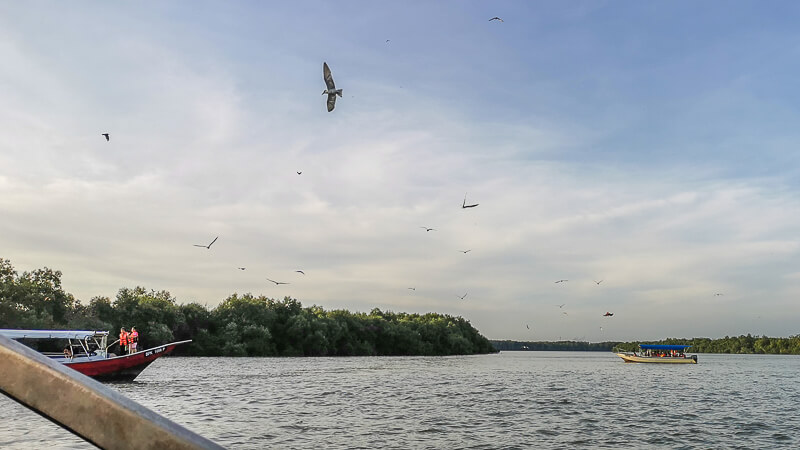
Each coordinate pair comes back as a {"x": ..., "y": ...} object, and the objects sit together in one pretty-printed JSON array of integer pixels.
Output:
[{"x": 199, "y": 149}]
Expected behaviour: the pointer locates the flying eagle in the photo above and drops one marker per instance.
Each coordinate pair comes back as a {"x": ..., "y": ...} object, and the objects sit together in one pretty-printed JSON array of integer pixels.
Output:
[{"x": 331, "y": 91}]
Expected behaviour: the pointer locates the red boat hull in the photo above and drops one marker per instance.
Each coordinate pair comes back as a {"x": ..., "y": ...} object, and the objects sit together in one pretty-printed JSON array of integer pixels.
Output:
[{"x": 122, "y": 368}]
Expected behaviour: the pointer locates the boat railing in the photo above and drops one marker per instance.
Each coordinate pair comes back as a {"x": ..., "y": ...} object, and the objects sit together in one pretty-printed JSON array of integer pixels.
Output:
[
  {"x": 110, "y": 345},
  {"x": 107, "y": 419},
  {"x": 616, "y": 349}
]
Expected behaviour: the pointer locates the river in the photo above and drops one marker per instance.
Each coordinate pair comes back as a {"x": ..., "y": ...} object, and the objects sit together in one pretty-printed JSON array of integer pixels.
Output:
[{"x": 509, "y": 400}]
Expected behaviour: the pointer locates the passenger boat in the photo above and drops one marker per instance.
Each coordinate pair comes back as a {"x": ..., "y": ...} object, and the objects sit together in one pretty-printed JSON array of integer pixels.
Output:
[
  {"x": 659, "y": 353},
  {"x": 88, "y": 353}
]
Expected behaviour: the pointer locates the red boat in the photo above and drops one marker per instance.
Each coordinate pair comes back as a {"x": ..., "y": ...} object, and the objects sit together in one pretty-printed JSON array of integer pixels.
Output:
[{"x": 87, "y": 352}]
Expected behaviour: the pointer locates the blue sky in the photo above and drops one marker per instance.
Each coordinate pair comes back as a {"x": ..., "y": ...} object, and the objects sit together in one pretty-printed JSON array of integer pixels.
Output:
[{"x": 647, "y": 144}]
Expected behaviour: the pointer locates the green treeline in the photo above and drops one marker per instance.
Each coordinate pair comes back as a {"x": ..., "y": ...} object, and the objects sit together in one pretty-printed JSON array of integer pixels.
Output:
[
  {"x": 740, "y": 345},
  {"x": 735, "y": 344},
  {"x": 240, "y": 326}
]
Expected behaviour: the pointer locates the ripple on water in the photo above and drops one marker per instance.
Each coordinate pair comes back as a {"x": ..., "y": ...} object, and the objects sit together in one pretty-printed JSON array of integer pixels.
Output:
[{"x": 511, "y": 400}]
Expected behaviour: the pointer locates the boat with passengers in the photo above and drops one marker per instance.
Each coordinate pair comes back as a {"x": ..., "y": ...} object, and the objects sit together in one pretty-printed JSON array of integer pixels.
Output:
[
  {"x": 659, "y": 353},
  {"x": 87, "y": 352}
]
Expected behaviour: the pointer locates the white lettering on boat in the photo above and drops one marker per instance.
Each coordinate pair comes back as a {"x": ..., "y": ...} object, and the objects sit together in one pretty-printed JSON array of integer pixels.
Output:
[{"x": 154, "y": 351}]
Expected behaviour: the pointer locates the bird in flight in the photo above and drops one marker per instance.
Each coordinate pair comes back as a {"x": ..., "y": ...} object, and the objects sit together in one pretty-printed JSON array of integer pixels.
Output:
[
  {"x": 565, "y": 313},
  {"x": 718, "y": 294},
  {"x": 561, "y": 281},
  {"x": 300, "y": 271},
  {"x": 276, "y": 282},
  {"x": 106, "y": 135},
  {"x": 413, "y": 289},
  {"x": 240, "y": 268},
  {"x": 387, "y": 41},
  {"x": 209, "y": 245},
  {"x": 496, "y": 18},
  {"x": 465, "y": 251},
  {"x": 528, "y": 326},
  {"x": 461, "y": 296},
  {"x": 608, "y": 314},
  {"x": 464, "y": 204},
  {"x": 561, "y": 305},
  {"x": 428, "y": 229},
  {"x": 299, "y": 173},
  {"x": 331, "y": 91},
  {"x": 597, "y": 282}
]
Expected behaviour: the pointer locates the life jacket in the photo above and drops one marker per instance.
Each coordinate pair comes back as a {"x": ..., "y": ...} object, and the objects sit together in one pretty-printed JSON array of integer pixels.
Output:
[
  {"x": 123, "y": 338},
  {"x": 134, "y": 336}
]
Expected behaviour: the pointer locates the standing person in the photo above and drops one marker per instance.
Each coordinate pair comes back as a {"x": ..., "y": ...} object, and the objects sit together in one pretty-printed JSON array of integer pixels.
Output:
[
  {"x": 133, "y": 339},
  {"x": 123, "y": 340}
]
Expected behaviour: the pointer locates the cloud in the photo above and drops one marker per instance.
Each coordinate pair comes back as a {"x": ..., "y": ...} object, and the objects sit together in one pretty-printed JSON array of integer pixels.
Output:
[{"x": 210, "y": 123}]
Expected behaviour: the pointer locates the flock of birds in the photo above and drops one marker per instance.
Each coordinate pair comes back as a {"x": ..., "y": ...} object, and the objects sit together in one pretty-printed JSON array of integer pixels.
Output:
[{"x": 332, "y": 92}]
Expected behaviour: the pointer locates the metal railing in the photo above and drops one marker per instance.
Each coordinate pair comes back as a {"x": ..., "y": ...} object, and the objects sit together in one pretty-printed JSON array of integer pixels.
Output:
[{"x": 86, "y": 407}]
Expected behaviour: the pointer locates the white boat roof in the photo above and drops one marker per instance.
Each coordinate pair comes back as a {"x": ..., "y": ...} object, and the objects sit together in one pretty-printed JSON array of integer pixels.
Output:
[{"x": 50, "y": 334}]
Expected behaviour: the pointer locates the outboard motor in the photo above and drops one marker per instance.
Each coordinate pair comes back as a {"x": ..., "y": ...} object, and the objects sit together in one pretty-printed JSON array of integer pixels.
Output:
[{"x": 694, "y": 357}]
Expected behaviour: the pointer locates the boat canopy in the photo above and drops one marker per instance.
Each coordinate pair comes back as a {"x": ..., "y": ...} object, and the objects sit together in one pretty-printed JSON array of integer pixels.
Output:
[
  {"x": 50, "y": 334},
  {"x": 663, "y": 347}
]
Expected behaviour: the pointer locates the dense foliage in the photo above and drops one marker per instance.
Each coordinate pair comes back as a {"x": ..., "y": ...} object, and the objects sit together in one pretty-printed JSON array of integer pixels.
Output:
[
  {"x": 735, "y": 344},
  {"x": 240, "y": 326},
  {"x": 740, "y": 344}
]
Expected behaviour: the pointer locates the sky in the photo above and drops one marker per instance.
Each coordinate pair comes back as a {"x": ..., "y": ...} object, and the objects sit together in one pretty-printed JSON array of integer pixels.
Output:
[{"x": 650, "y": 145}]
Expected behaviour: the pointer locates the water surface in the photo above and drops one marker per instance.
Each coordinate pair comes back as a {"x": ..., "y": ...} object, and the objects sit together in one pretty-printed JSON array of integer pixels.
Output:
[{"x": 510, "y": 400}]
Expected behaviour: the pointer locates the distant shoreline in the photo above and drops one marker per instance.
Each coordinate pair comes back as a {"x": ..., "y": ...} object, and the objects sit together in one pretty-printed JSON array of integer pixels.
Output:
[{"x": 742, "y": 345}]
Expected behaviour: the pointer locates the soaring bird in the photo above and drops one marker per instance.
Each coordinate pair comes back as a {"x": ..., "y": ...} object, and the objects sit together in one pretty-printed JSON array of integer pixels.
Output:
[
  {"x": 527, "y": 326},
  {"x": 561, "y": 305},
  {"x": 276, "y": 282},
  {"x": 428, "y": 229},
  {"x": 464, "y": 203},
  {"x": 209, "y": 245},
  {"x": 465, "y": 251},
  {"x": 561, "y": 281},
  {"x": 608, "y": 314},
  {"x": 496, "y": 18},
  {"x": 413, "y": 289},
  {"x": 718, "y": 294},
  {"x": 106, "y": 135},
  {"x": 461, "y": 296},
  {"x": 299, "y": 173},
  {"x": 240, "y": 268},
  {"x": 331, "y": 91},
  {"x": 300, "y": 271},
  {"x": 597, "y": 282}
]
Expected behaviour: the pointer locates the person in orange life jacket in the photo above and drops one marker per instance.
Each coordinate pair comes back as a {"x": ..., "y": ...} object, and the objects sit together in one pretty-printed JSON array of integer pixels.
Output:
[
  {"x": 133, "y": 339},
  {"x": 123, "y": 340}
]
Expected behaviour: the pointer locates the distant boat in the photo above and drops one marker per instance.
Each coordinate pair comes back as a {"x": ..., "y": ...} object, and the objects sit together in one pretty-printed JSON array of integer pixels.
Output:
[
  {"x": 90, "y": 356},
  {"x": 659, "y": 353}
]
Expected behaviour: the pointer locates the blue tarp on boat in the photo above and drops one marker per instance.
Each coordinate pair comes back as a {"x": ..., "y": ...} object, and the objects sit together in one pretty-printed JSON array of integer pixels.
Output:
[{"x": 662, "y": 347}]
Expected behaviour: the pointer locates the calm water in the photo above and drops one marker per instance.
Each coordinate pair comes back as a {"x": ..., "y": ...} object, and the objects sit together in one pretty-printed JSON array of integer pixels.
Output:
[{"x": 511, "y": 400}]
